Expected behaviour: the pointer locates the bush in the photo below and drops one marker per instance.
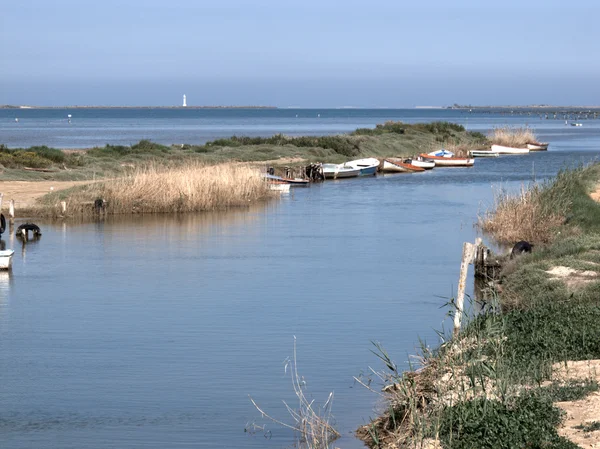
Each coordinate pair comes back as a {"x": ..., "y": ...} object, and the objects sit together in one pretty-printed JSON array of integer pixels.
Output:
[{"x": 530, "y": 422}]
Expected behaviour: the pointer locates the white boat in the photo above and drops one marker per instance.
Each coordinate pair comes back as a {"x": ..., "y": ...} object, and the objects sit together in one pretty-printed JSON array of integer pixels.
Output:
[
  {"x": 418, "y": 161},
  {"x": 279, "y": 186},
  {"x": 576, "y": 124},
  {"x": 397, "y": 165},
  {"x": 500, "y": 149},
  {"x": 445, "y": 158},
  {"x": 367, "y": 166},
  {"x": 6, "y": 259},
  {"x": 337, "y": 171},
  {"x": 483, "y": 153},
  {"x": 537, "y": 146}
]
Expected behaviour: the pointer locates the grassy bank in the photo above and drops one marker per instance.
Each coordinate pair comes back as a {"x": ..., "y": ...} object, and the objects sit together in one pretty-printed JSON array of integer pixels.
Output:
[
  {"x": 385, "y": 140},
  {"x": 497, "y": 384}
]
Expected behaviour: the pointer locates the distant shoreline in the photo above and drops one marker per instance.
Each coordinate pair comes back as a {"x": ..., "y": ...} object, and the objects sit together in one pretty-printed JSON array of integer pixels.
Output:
[{"x": 8, "y": 106}]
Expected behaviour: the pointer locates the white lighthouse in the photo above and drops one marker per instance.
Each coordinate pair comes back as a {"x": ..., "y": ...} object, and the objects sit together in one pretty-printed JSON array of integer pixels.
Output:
[{"x": 184, "y": 101}]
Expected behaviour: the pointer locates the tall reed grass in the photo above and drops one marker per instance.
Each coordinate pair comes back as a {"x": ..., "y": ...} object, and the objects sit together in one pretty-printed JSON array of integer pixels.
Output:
[
  {"x": 512, "y": 137},
  {"x": 196, "y": 187}
]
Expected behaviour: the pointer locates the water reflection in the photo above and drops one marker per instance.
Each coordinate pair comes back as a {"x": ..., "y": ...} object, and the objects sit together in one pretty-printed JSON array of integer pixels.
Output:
[{"x": 5, "y": 281}]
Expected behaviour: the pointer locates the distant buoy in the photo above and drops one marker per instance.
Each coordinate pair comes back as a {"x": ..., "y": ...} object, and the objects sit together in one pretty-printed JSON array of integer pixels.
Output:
[
  {"x": 69, "y": 115},
  {"x": 318, "y": 115},
  {"x": 16, "y": 120}
]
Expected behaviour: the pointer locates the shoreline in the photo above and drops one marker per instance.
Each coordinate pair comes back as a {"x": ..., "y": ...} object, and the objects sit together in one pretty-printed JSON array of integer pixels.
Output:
[{"x": 525, "y": 370}]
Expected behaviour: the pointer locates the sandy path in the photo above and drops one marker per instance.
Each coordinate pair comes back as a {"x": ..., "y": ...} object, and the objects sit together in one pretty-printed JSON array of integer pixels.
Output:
[
  {"x": 25, "y": 193},
  {"x": 596, "y": 194}
]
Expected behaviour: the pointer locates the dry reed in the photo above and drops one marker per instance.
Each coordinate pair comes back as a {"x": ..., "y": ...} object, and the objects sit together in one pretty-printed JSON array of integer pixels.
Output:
[
  {"x": 311, "y": 422},
  {"x": 196, "y": 187},
  {"x": 512, "y": 137},
  {"x": 524, "y": 216}
]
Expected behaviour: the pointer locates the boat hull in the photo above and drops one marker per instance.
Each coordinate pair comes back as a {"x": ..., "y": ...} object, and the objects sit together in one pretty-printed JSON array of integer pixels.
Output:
[
  {"x": 337, "y": 171},
  {"x": 6, "y": 259},
  {"x": 399, "y": 166},
  {"x": 367, "y": 166},
  {"x": 509, "y": 150},
  {"x": 537, "y": 146},
  {"x": 483, "y": 153},
  {"x": 426, "y": 165},
  {"x": 441, "y": 161}
]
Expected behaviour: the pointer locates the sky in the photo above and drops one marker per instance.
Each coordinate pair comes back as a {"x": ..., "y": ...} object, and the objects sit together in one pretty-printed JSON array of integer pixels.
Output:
[{"x": 309, "y": 53}]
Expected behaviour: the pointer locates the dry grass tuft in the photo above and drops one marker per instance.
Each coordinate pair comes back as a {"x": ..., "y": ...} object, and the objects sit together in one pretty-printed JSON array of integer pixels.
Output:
[
  {"x": 524, "y": 216},
  {"x": 196, "y": 187},
  {"x": 512, "y": 137}
]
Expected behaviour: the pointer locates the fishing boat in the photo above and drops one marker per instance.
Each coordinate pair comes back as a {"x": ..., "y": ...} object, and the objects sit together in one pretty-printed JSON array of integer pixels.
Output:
[
  {"x": 576, "y": 124},
  {"x": 367, "y": 166},
  {"x": 294, "y": 182},
  {"x": 6, "y": 259},
  {"x": 418, "y": 161},
  {"x": 500, "y": 149},
  {"x": 445, "y": 158},
  {"x": 537, "y": 146},
  {"x": 337, "y": 171},
  {"x": 483, "y": 153},
  {"x": 396, "y": 165}
]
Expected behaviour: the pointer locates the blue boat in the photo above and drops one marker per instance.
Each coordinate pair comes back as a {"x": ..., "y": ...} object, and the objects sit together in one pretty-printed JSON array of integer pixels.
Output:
[{"x": 367, "y": 166}]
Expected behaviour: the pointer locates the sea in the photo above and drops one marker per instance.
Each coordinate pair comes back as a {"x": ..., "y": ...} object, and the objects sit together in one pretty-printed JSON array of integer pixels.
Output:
[{"x": 157, "y": 331}]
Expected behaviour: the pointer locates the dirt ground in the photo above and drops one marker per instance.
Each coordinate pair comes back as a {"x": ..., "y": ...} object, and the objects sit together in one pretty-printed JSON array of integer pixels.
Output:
[
  {"x": 25, "y": 193},
  {"x": 584, "y": 411},
  {"x": 596, "y": 194}
]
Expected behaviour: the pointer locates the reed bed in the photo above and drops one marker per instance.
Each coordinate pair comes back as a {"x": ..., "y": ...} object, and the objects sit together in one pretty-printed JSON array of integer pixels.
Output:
[
  {"x": 311, "y": 422},
  {"x": 196, "y": 187},
  {"x": 512, "y": 137}
]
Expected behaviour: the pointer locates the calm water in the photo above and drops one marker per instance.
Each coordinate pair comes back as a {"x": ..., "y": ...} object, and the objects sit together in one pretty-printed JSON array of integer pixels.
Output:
[
  {"x": 151, "y": 332},
  {"x": 98, "y": 127}
]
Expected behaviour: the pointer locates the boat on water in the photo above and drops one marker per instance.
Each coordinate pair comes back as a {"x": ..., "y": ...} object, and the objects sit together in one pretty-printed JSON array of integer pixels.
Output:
[
  {"x": 397, "y": 165},
  {"x": 483, "y": 153},
  {"x": 337, "y": 171},
  {"x": 445, "y": 158},
  {"x": 367, "y": 166},
  {"x": 279, "y": 186},
  {"x": 418, "y": 161},
  {"x": 537, "y": 146},
  {"x": 500, "y": 149},
  {"x": 6, "y": 259},
  {"x": 295, "y": 182},
  {"x": 576, "y": 124}
]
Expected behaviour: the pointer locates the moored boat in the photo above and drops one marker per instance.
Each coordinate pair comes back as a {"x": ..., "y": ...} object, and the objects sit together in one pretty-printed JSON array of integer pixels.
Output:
[
  {"x": 367, "y": 166},
  {"x": 279, "y": 186},
  {"x": 483, "y": 153},
  {"x": 418, "y": 161},
  {"x": 576, "y": 124},
  {"x": 500, "y": 149},
  {"x": 396, "y": 165},
  {"x": 336, "y": 171},
  {"x": 444, "y": 158},
  {"x": 537, "y": 146},
  {"x": 292, "y": 181},
  {"x": 6, "y": 259}
]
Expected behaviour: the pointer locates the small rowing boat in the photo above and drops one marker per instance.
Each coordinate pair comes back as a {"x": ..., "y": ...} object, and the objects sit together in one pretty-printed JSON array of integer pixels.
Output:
[
  {"x": 418, "y": 161},
  {"x": 396, "y": 165},
  {"x": 367, "y": 166},
  {"x": 445, "y": 158},
  {"x": 537, "y": 146},
  {"x": 337, "y": 171},
  {"x": 483, "y": 153},
  {"x": 500, "y": 149}
]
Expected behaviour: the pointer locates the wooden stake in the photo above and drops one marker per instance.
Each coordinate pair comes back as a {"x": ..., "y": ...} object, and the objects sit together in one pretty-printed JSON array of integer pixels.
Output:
[
  {"x": 63, "y": 207},
  {"x": 11, "y": 210},
  {"x": 468, "y": 254},
  {"x": 1, "y": 196}
]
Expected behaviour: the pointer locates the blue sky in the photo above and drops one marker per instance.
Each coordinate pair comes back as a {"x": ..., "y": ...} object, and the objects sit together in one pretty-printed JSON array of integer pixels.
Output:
[{"x": 306, "y": 53}]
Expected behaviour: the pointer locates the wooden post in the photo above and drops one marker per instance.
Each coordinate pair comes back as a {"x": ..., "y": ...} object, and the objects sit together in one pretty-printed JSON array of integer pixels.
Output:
[
  {"x": 468, "y": 254},
  {"x": 11, "y": 210},
  {"x": 1, "y": 196},
  {"x": 63, "y": 207}
]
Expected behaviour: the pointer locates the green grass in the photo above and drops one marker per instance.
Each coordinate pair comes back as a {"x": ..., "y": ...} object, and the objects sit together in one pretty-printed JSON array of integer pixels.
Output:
[{"x": 388, "y": 139}]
